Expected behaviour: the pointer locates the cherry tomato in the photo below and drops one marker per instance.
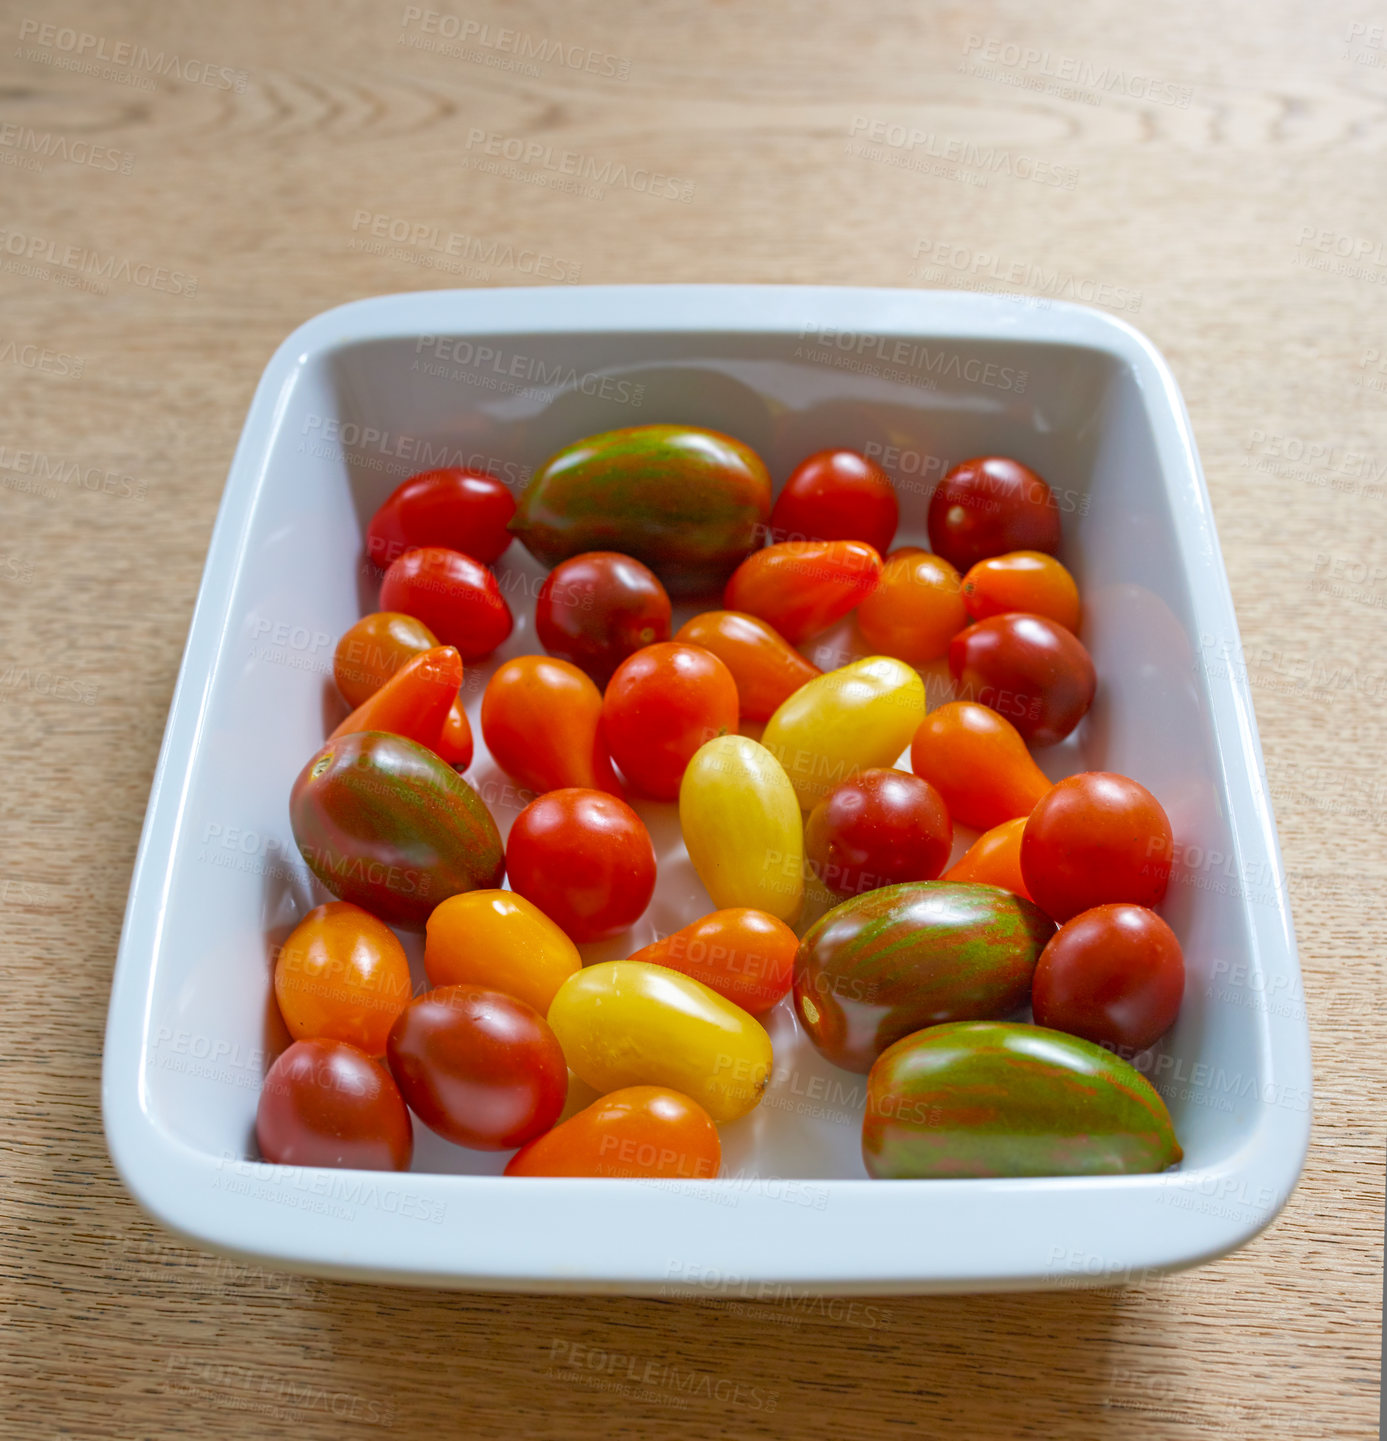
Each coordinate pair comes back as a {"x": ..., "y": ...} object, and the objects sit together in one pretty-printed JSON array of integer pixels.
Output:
[
  {"x": 1094, "y": 838},
  {"x": 497, "y": 939},
  {"x": 1027, "y": 668},
  {"x": 464, "y": 510},
  {"x": 1114, "y": 974},
  {"x": 415, "y": 702},
  {"x": 454, "y": 595},
  {"x": 994, "y": 859},
  {"x": 662, "y": 704},
  {"x": 1022, "y": 580},
  {"x": 455, "y": 743},
  {"x": 326, "y": 1103},
  {"x": 837, "y": 495},
  {"x": 988, "y": 506},
  {"x": 585, "y": 859},
  {"x": 480, "y": 1068},
  {"x": 745, "y": 955},
  {"x": 343, "y": 975},
  {"x": 597, "y": 608},
  {"x": 767, "y": 669},
  {"x": 878, "y": 828},
  {"x": 645, "y": 1131},
  {"x": 542, "y": 722},
  {"x": 916, "y": 610},
  {"x": 978, "y": 762},
  {"x": 804, "y": 586}
]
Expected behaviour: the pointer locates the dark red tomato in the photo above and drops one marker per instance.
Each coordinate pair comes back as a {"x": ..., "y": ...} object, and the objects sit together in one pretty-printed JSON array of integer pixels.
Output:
[
  {"x": 326, "y": 1103},
  {"x": 597, "y": 608},
  {"x": 464, "y": 510},
  {"x": 878, "y": 828},
  {"x": 455, "y": 596},
  {"x": 480, "y": 1068},
  {"x": 585, "y": 859},
  {"x": 662, "y": 704},
  {"x": 837, "y": 495},
  {"x": 1094, "y": 838},
  {"x": 1027, "y": 668},
  {"x": 989, "y": 506},
  {"x": 1114, "y": 975}
]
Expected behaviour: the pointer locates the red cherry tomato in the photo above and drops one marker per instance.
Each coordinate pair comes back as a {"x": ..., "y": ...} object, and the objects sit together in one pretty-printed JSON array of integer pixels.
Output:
[
  {"x": 662, "y": 704},
  {"x": 1027, "y": 668},
  {"x": 1094, "y": 838},
  {"x": 804, "y": 586},
  {"x": 988, "y": 506},
  {"x": 480, "y": 1068},
  {"x": 876, "y": 829},
  {"x": 1114, "y": 974},
  {"x": 464, "y": 510},
  {"x": 837, "y": 495},
  {"x": 597, "y": 608},
  {"x": 325, "y": 1103},
  {"x": 585, "y": 859},
  {"x": 454, "y": 595}
]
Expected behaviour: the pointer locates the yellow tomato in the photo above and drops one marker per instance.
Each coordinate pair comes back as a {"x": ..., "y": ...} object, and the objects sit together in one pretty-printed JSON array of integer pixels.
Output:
[
  {"x": 501, "y": 941},
  {"x": 861, "y": 715},
  {"x": 628, "y": 1023},
  {"x": 742, "y": 827}
]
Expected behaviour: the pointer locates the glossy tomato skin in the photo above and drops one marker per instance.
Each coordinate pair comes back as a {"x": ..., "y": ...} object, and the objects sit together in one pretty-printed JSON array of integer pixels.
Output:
[
  {"x": 978, "y": 762},
  {"x": 585, "y": 859},
  {"x": 372, "y": 650},
  {"x": 542, "y": 721},
  {"x": 837, "y": 495},
  {"x": 745, "y": 955},
  {"x": 1114, "y": 974},
  {"x": 480, "y": 1068},
  {"x": 662, "y": 704},
  {"x": 1026, "y": 580},
  {"x": 415, "y": 702},
  {"x": 597, "y": 608},
  {"x": 455, "y": 596},
  {"x": 643, "y": 1131},
  {"x": 460, "y": 509},
  {"x": 342, "y": 974},
  {"x": 1027, "y": 668},
  {"x": 326, "y": 1103},
  {"x": 1096, "y": 838},
  {"x": 916, "y": 610},
  {"x": 990, "y": 505},
  {"x": 878, "y": 828},
  {"x": 766, "y": 668},
  {"x": 801, "y": 587},
  {"x": 994, "y": 859}
]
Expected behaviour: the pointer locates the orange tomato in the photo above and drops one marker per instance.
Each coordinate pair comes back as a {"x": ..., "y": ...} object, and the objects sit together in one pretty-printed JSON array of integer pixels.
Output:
[
  {"x": 455, "y": 742},
  {"x": 500, "y": 941},
  {"x": 641, "y": 1131},
  {"x": 1025, "y": 580},
  {"x": 746, "y": 956},
  {"x": 342, "y": 975},
  {"x": 414, "y": 702},
  {"x": 542, "y": 722},
  {"x": 916, "y": 610},
  {"x": 765, "y": 666},
  {"x": 994, "y": 859},
  {"x": 804, "y": 586},
  {"x": 978, "y": 762}
]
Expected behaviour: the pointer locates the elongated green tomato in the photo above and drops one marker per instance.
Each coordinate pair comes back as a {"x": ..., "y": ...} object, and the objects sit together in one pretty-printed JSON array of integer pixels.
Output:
[
  {"x": 861, "y": 715},
  {"x": 628, "y": 1023},
  {"x": 996, "y": 1098},
  {"x": 742, "y": 827}
]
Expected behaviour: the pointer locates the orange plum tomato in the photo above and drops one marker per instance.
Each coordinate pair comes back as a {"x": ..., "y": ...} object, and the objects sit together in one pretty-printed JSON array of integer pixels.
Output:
[
  {"x": 766, "y": 668},
  {"x": 326, "y": 1103},
  {"x": 801, "y": 587},
  {"x": 747, "y": 956},
  {"x": 342, "y": 974},
  {"x": 1026, "y": 580},
  {"x": 994, "y": 859},
  {"x": 916, "y": 610}
]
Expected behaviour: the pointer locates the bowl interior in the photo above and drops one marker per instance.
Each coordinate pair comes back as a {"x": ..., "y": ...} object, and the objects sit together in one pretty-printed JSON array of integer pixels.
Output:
[{"x": 356, "y": 420}]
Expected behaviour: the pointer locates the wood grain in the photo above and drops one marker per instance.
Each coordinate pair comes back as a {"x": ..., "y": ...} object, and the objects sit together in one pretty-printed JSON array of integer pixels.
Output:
[{"x": 1242, "y": 138}]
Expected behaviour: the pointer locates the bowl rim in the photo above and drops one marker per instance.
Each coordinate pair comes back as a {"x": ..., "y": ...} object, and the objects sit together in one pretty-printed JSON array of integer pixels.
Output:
[{"x": 1155, "y": 1223}]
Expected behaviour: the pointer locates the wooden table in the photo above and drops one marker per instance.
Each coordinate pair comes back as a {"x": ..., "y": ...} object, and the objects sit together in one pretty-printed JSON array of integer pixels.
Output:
[{"x": 1214, "y": 174}]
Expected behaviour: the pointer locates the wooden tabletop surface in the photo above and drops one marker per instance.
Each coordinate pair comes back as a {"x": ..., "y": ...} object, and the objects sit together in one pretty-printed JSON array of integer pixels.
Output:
[{"x": 182, "y": 186}]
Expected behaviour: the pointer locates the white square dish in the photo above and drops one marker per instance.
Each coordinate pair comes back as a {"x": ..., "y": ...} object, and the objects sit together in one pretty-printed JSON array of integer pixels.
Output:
[{"x": 364, "y": 395}]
